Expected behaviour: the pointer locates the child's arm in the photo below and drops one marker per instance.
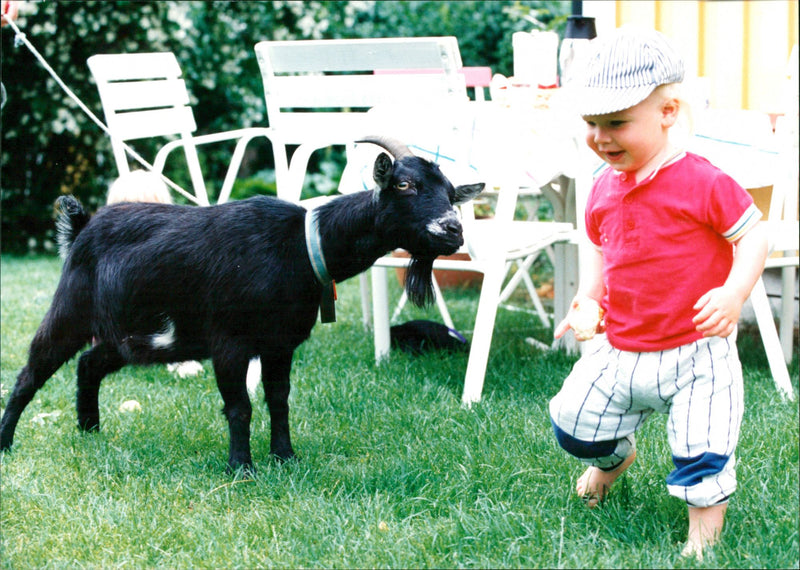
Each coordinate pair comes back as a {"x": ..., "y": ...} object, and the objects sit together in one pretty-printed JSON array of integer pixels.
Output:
[
  {"x": 591, "y": 285},
  {"x": 719, "y": 308}
]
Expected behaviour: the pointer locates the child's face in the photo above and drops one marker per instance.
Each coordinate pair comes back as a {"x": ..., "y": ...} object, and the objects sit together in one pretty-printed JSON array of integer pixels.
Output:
[{"x": 633, "y": 140}]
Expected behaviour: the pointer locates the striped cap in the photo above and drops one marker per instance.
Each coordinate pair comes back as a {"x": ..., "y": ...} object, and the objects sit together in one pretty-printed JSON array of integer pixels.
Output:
[{"x": 624, "y": 68}]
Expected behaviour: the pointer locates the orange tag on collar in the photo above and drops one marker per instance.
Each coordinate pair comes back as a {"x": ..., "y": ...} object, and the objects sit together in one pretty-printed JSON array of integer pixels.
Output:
[{"x": 327, "y": 306}]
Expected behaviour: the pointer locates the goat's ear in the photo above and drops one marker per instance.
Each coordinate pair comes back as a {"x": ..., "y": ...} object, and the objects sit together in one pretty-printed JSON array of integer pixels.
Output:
[
  {"x": 467, "y": 192},
  {"x": 382, "y": 171}
]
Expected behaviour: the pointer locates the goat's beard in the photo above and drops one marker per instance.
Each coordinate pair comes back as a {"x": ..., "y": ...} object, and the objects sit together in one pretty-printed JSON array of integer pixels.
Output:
[{"x": 419, "y": 281}]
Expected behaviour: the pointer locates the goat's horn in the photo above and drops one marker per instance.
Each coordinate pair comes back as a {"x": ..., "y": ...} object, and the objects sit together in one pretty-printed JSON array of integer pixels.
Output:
[{"x": 395, "y": 147}]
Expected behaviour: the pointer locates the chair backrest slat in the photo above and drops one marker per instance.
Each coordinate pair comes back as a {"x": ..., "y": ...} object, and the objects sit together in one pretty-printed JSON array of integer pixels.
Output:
[
  {"x": 133, "y": 95},
  {"x": 152, "y": 123},
  {"x": 360, "y": 54},
  {"x": 137, "y": 66},
  {"x": 347, "y": 91}
]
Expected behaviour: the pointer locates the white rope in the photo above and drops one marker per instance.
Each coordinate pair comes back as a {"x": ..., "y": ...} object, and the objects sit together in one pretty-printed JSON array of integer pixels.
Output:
[{"x": 20, "y": 38}]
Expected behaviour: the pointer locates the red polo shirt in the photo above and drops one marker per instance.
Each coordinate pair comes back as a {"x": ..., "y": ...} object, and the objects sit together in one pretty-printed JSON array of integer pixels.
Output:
[{"x": 666, "y": 242}]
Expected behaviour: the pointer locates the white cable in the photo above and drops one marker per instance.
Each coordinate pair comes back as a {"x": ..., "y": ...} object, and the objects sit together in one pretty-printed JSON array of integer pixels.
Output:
[{"x": 20, "y": 38}]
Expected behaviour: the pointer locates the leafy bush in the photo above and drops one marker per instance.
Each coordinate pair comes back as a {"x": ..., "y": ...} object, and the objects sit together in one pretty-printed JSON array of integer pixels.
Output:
[{"x": 50, "y": 147}]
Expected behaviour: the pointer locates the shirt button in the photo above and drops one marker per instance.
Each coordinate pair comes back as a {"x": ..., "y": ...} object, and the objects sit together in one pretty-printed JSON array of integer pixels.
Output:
[
  {"x": 629, "y": 225},
  {"x": 624, "y": 177}
]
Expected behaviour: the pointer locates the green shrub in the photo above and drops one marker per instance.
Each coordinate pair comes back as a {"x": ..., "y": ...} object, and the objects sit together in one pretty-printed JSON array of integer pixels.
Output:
[{"x": 50, "y": 147}]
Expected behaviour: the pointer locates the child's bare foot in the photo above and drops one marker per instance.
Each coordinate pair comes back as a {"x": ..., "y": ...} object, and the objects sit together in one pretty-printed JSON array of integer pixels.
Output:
[
  {"x": 705, "y": 526},
  {"x": 594, "y": 484},
  {"x": 692, "y": 550}
]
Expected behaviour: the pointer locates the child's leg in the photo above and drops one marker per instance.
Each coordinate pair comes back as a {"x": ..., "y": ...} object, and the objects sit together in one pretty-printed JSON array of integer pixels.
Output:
[
  {"x": 705, "y": 526},
  {"x": 703, "y": 430},
  {"x": 594, "y": 418}
]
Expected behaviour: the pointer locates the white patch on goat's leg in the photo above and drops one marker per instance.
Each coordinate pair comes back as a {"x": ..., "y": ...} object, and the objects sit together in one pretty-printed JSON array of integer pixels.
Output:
[
  {"x": 165, "y": 338},
  {"x": 437, "y": 227},
  {"x": 253, "y": 375}
]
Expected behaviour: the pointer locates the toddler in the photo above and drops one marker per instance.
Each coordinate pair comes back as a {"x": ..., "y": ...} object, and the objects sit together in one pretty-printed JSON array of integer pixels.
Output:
[{"x": 677, "y": 249}]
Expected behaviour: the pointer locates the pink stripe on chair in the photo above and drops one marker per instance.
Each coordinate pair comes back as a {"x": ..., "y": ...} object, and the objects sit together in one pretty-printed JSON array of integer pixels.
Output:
[{"x": 477, "y": 77}]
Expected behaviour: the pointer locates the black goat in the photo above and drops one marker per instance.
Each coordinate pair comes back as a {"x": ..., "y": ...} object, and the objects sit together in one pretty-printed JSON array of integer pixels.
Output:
[{"x": 157, "y": 283}]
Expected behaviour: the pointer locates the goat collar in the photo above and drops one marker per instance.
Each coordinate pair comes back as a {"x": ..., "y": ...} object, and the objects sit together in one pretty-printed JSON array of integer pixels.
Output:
[{"x": 327, "y": 308}]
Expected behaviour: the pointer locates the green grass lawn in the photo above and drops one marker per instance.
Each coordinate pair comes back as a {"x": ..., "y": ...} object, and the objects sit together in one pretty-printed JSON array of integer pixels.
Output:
[{"x": 393, "y": 472}]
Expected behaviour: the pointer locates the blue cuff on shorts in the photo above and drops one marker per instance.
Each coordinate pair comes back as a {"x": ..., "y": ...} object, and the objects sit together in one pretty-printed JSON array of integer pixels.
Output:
[
  {"x": 583, "y": 449},
  {"x": 690, "y": 471}
]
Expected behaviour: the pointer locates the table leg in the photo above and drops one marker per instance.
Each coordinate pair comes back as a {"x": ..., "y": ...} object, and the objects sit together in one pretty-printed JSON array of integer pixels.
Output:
[
  {"x": 565, "y": 286},
  {"x": 566, "y": 264}
]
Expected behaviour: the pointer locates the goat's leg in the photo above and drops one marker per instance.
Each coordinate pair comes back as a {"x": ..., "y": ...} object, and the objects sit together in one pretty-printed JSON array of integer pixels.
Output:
[
  {"x": 231, "y": 373},
  {"x": 94, "y": 365},
  {"x": 275, "y": 371},
  {"x": 51, "y": 347}
]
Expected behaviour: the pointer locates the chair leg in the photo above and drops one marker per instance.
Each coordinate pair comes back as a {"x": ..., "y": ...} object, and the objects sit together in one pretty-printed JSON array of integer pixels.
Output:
[
  {"x": 380, "y": 313},
  {"x": 440, "y": 304},
  {"x": 233, "y": 168},
  {"x": 522, "y": 269},
  {"x": 401, "y": 303},
  {"x": 769, "y": 336},
  {"x": 566, "y": 270},
  {"x": 788, "y": 275},
  {"x": 366, "y": 303},
  {"x": 537, "y": 302},
  {"x": 448, "y": 321},
  {"x": 522, "y": 274},
  {"x": 195, "y": 172},
  {"x": 483, "y": 331}
]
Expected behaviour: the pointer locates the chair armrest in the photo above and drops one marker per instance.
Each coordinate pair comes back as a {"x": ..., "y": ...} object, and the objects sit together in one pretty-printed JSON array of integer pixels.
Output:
[
  {"x": 244, "y": 136},
  {"x": 250, "y": 133}
]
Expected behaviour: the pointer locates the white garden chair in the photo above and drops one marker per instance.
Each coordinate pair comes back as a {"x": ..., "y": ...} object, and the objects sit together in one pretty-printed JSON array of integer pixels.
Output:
[{"x": 143, "y": 96}]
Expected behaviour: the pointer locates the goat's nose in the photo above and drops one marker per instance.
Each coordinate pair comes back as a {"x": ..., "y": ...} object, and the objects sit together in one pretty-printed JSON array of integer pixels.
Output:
[{"x": 452, "y": 226}]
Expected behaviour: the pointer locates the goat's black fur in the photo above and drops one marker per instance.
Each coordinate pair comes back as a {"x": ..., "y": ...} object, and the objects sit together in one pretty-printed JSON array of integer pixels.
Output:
[{"x": 163, "y": 283}]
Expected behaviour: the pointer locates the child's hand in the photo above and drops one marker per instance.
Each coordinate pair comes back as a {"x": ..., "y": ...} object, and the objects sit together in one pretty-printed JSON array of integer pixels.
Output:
[
  {"x": 584, "y": 318},
  {"x": 718, "y": 312},
  {"x": 561, "y": 329}
]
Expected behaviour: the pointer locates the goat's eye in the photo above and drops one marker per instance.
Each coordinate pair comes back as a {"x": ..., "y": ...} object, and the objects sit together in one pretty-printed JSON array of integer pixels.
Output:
[{"x": 404, "y": 187}]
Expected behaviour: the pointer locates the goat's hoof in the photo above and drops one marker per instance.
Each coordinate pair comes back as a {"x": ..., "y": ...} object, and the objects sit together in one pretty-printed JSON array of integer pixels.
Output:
[
  {"x": 6, "y": 440},
  {"x": 90, "y": 425},
  {"x": 284, "y": 456},
  {"x": 243, "y": 470}
]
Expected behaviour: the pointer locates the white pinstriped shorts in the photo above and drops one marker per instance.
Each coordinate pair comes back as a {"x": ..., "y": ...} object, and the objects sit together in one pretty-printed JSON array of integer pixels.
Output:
[{"x": 611, "y": 392}]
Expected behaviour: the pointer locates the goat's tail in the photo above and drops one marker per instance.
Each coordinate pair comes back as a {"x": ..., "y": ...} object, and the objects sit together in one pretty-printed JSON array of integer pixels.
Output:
[{"x": 72, "y": 218}]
